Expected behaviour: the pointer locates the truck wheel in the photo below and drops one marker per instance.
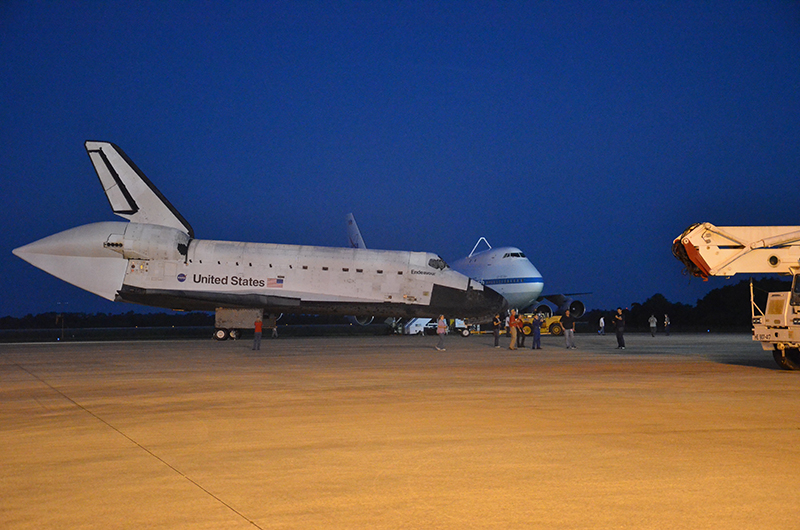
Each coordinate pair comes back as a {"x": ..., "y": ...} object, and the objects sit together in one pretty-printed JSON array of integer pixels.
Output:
[
  {"x": 465, "y": 332},
  {"x": 788, "y": 359},
  {"x": 527, "y": 329},
  {"x": 221, "y": 334},
  {"x": 556, "y": 329},
  {"x": 235, "y": 334}
]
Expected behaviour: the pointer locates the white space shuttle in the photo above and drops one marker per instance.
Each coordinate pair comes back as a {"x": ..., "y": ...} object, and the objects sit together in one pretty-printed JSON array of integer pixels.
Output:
[
  {"x": 154, "y": 259},
  {"x": 506, "y": 270}
]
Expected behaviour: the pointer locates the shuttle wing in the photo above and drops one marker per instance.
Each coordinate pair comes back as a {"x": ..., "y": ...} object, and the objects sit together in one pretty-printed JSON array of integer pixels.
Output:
[{"x": 129, "y": 191}]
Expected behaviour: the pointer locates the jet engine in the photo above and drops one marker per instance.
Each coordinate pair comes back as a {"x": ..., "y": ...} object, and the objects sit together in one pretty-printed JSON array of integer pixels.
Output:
[
  {"x": 576, "y": 308},
  {"x": 562, "y": 303},
  {"x": 543, "y": 309}
]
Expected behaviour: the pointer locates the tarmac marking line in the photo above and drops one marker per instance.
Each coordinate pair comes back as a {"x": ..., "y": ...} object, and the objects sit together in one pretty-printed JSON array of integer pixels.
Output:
[{"x": 140, "y": 446}]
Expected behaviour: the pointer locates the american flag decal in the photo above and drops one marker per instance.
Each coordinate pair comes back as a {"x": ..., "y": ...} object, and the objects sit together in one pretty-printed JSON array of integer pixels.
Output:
[{"x": 274, "y": 282}]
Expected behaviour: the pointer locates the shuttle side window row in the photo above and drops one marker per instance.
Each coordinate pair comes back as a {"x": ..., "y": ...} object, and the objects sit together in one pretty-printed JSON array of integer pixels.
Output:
[{"x": 344, "y": 269}]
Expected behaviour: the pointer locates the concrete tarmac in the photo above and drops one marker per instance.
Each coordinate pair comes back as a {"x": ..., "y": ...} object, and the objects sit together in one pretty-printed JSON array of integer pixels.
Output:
[{"x": 686, "y": 431}]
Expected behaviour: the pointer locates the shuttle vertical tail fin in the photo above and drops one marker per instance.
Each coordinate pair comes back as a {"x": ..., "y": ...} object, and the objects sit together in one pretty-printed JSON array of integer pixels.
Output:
[
  {"x": 130, "y": 193},
  {"x": 353, "y": 233}
]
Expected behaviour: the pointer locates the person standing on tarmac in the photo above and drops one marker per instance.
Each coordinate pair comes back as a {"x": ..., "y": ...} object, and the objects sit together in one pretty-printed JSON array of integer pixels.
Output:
[
  {"x": 537, "y": 332},
  {"x": 257, "y": 336},
  {"x": 441, "y": 330},
  {"x": 568, "y": 323},
  {"x": 619, "y": 324},
  {"x": 520, "y": 334},
  {"x": 652, "y": 321},
  {"x": 272, "y": 323},
  {"x": 512, "y": 329},
  {"x": 496, "y": 329}
]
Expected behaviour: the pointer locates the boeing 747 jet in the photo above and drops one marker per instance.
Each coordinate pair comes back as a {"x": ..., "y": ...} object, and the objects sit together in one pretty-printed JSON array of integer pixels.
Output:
[{"x": 505, "y": 269}]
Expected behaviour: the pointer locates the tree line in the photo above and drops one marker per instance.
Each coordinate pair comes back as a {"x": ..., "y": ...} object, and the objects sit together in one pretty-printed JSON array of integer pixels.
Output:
[
  {"x": 723, "y": 309},
  {"x": 130, "y": 319}
]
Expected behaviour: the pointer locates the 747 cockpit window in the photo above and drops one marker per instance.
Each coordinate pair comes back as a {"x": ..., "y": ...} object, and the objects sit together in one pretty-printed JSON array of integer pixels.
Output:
[
  {"x": 513, "y": 255},
  {"x": 437, "y": 263}
]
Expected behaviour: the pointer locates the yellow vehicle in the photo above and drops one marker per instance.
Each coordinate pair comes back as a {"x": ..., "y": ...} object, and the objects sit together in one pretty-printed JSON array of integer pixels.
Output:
[{"x": 550, "y": 325}]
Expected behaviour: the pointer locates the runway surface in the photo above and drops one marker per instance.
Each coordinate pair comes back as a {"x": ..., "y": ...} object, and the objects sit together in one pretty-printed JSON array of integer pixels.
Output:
[{"x": 686, "y": 431}]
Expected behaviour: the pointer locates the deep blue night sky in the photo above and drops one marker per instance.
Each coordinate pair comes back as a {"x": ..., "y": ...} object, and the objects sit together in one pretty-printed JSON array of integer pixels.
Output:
[{"x": 588, "y": 134}]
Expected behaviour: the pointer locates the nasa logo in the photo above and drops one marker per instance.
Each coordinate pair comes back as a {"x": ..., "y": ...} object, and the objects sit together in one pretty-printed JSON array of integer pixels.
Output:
[{"x": 181, "y": 277}]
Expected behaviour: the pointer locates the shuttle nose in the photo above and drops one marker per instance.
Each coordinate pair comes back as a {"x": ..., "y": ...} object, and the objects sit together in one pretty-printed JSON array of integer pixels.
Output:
[{"x": 78, "y": 256}]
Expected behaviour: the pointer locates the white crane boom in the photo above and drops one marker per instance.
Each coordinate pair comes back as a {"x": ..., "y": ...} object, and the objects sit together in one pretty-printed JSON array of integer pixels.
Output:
[{"x": 708, "y": 250}]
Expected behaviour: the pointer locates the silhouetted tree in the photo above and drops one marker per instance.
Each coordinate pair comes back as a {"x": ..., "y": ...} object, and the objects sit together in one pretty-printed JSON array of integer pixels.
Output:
[
  {"x": 729, "y": 307},
  {"x": 680, "y": 315}
]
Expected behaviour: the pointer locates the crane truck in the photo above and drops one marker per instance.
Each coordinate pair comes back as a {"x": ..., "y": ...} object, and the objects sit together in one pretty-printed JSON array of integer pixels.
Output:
[{"x": 708, "y": 250}]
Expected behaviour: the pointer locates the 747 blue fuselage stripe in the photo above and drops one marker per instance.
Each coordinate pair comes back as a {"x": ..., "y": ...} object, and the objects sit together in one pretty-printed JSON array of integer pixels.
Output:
[{"x": 499, "y": 281}]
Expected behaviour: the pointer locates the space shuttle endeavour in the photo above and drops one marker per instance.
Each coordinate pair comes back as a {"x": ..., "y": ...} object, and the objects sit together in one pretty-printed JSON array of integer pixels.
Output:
[{"x": 154, "y": 259}]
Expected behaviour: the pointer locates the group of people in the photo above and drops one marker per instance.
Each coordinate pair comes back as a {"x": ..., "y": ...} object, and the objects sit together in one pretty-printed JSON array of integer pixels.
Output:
[
  {"x": 514, "y": 324},
  {"x": 653, "y": 321},
  {"x": 619, "y": 327}
]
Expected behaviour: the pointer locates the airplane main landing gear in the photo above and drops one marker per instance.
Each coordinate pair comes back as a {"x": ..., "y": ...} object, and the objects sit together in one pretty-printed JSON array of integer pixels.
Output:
[{"x": 225, "y": 334}]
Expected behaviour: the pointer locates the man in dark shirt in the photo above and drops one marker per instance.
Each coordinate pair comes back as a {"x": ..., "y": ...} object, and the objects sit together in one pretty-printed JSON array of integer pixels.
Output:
[
  {"x": 537, "y": 332},
  {"x": 568, "y": 323},
  {"x": 619, "y": 322}
]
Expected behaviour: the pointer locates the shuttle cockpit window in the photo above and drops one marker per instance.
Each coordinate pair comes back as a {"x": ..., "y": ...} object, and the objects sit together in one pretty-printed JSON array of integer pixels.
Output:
[{"x": 437, "y": 263}]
